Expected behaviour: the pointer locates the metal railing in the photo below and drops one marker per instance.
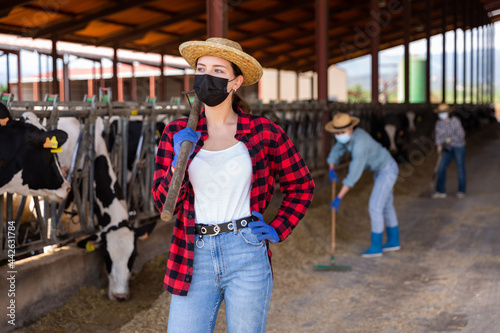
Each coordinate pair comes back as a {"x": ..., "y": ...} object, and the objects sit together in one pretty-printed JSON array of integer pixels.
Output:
[{"x": 303, "y": 123}]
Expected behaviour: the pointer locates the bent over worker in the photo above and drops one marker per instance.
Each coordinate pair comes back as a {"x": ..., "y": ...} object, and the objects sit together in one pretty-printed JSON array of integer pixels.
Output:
[{"x": 367, "y": 154}]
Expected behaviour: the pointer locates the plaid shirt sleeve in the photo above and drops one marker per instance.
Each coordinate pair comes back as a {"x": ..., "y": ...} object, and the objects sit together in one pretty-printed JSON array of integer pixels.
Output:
[
  {"x": 295, "y": 182},
  {"x": 273, "y": 154}
]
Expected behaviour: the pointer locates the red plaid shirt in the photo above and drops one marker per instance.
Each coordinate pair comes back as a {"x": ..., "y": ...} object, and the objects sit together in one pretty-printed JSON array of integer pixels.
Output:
[{"x": 271, "y": 152}]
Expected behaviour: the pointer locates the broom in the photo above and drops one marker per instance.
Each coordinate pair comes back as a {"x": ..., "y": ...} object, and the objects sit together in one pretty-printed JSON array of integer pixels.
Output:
[{"x": 332, "y": 266}]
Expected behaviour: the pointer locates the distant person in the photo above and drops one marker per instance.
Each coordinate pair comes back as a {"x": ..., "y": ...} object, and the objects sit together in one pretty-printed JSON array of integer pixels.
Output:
[
  {"x": 450, "y": 142},
  {"x": 367, "y": 154}
]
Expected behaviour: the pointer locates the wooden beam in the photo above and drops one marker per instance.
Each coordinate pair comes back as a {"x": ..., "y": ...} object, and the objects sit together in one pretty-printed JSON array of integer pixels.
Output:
[
  {"x": 84, "y": 19},
  {"x": 138, "y": 31},
  {"x": 9, "y": 5}
]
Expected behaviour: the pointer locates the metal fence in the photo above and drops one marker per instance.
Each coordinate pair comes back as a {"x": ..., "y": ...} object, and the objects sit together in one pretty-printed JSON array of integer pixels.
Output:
[{"x": 302, "y": 122}]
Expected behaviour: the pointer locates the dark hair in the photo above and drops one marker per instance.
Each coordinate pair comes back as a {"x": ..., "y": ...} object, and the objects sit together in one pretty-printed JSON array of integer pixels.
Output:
[{"x": 237, "y": 100}]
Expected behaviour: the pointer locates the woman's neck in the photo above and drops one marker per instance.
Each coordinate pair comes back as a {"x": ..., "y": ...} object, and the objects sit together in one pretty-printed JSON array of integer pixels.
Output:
[{"x": 221, "y": 114}]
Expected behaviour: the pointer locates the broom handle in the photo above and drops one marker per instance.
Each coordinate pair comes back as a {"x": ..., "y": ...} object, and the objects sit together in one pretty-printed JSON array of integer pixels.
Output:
[
  {"x": 333, "y": 217},
  {"x": 180, "y": 168}
]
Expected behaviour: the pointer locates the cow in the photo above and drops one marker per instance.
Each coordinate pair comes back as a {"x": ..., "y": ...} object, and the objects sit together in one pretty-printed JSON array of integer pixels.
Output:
[
  {"x": 115, "y": 235},
  {"x": 28, "y": 162}
]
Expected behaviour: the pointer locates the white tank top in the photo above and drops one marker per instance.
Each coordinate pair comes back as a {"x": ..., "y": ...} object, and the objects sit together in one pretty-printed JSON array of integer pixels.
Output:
[{"x": 221, "y": 181}]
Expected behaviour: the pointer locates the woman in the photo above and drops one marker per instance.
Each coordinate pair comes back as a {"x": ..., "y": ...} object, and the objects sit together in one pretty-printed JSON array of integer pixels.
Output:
[
  {"x": 367, "y": 154},
  {"x": 450, "y": 142},
  {"x": 220, "y": 243}
]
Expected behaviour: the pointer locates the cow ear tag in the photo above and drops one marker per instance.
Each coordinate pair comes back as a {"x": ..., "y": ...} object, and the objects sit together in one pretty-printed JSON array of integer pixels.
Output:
[
  {"x": 89, "y": 247},
  {"x": 54, "y": 143},
  {"x": 47, "y": 143}
]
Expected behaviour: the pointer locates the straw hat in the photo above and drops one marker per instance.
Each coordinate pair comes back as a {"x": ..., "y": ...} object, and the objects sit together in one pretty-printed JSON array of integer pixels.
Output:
[
  {"x": 341, "y": 122},
  {"x": 443, "y": 108},
  {"x": 226, "y": 49}
]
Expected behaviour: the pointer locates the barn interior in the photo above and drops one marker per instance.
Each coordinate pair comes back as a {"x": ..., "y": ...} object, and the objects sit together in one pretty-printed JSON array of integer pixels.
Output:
[{"x": 298, "y": 36}]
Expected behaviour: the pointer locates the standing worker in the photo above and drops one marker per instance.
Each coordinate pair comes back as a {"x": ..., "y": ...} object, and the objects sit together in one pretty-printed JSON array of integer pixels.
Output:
[
  {"x": 450, "y": 142},
  {"x": 367, "y": 154},
  {"x": 220, "y": 242}
]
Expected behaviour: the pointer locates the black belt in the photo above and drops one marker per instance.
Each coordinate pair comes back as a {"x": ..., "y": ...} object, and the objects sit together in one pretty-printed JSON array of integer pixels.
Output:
[{"x": 215, "y": 229}]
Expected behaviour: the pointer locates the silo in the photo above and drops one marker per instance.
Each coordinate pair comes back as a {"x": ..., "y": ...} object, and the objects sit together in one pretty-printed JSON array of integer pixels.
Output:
[{"x": 417, "y": 80}]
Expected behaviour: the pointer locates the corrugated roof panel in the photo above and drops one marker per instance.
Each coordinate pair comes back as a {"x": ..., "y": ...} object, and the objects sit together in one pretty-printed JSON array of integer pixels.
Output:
[
  {"x": 30, "y": 18},
  {"x": 98, "y": 29},
  {"x": 136, "y": 16}
]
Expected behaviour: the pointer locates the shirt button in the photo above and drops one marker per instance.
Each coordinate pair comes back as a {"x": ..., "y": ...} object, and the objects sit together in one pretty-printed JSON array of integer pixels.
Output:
[
  {"x": 190, "y": 216},
  {"x": 189, "y": 242},
  {"x": 188, "y": 278}
]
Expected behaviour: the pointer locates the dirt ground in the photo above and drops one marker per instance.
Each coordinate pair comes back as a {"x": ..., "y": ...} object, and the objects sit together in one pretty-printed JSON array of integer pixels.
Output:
[{"x": 446, "y": 277}]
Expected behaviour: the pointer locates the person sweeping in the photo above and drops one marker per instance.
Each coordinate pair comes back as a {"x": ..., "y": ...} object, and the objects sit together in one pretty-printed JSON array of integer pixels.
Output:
[
  {"x": 220, "y": 242},
  {"x": 367, "y": 154}
]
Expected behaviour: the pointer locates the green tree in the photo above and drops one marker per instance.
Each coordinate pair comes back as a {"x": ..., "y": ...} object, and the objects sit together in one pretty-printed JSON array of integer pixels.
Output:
[{"x": 356, "y": 94}]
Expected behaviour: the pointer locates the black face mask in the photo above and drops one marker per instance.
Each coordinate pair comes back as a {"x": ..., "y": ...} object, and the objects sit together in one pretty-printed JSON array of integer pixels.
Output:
[{"x": 211, "y": 90}]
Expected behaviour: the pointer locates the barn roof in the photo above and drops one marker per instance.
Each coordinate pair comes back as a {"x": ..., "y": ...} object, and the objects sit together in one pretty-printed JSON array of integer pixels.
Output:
[{"x": 280, "y": 34}]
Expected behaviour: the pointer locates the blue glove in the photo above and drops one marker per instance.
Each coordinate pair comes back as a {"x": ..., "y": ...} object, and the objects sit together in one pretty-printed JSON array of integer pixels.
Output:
[
  {"x": 264, "y": 230},
  {"x": 186, "y": 134},
  {"x": 332, "y": 175},
  {"x": 335, "y": 204}
]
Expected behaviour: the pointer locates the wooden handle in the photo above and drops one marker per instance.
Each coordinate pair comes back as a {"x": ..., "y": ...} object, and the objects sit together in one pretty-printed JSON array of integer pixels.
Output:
[
  {"x": 180, "y": 168},
  {"x": 333, "y": 217}
]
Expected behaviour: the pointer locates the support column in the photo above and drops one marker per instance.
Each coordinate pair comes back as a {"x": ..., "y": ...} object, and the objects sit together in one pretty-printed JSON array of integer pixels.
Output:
[
  {"x": 443, "y": 29},
  {"x": 114, "y": 79},
  {"x": 90, "y": 88},
  {"x": 466, "y": 18},
  {"x": 9, "y": 90},
  {"x": 278, "y": 86},
  {"x": 217, "y": 24},
  {"x": 152, "y": 87},
  {"x": 67, "y": 96},
  {"x": 297, "y": 86},
  {"x": 55, "y": 85},
  {"x": 40, "y": 77},
  {"x": 492, "y": 89},
  {"x": 428, "y": 23},
  {"x": 120, "y": 89},
  {"x": 455, "y": 28},
  {"x": 134, "y": 84},
  {"x": 102, "y": 83},
  {"x": 186, "y": 84},
  {"x": 163, "y": 81},
  {"x": 375, "y": 44},
  {"x": 36, "y": 89},
  {"x": 472, "y": 23},
  {"x": 322, "y": 48},
  {"x": 19, "y": 77},
  {"x": 407, "y": 18}
]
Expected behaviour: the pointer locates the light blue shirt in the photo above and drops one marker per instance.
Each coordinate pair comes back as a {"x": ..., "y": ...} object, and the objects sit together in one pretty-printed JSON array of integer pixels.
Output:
[{"x": 366, "y": 154}]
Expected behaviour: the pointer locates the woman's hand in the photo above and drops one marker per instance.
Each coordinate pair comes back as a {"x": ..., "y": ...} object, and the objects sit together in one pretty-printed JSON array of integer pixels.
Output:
[{"x": 262, "y": 229}]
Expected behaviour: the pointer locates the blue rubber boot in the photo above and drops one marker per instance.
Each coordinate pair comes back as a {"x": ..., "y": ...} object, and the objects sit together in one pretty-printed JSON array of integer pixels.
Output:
[
  {"x": 375, "y": 249},
  {"x": 392, "y": 239}
]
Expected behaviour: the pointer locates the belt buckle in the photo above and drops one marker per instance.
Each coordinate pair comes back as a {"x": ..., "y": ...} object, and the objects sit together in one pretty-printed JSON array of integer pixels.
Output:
[{"x": 216, "y": 229}]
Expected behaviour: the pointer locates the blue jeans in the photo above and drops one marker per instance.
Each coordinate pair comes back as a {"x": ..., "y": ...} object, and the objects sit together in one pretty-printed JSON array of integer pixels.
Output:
[
  {"x": 233, "y": 267},
  {"x": 457, "y": 153},
  {"x": 381, "y": 204}
]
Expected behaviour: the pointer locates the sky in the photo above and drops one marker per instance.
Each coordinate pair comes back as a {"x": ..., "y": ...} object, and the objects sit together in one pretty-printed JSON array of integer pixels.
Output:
[{"x": 356, "y": 67}]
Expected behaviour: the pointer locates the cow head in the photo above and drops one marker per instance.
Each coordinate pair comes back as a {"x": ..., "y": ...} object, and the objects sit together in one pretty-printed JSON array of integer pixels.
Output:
[
  {"x": 119, "y": 250},
  {"x": 28, "y": 163}
]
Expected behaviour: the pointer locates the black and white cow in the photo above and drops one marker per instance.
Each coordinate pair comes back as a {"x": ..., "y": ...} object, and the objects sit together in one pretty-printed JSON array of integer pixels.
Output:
[
  {"x": 28, "y": 164},
  {"x": 115, "y": 236}
]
